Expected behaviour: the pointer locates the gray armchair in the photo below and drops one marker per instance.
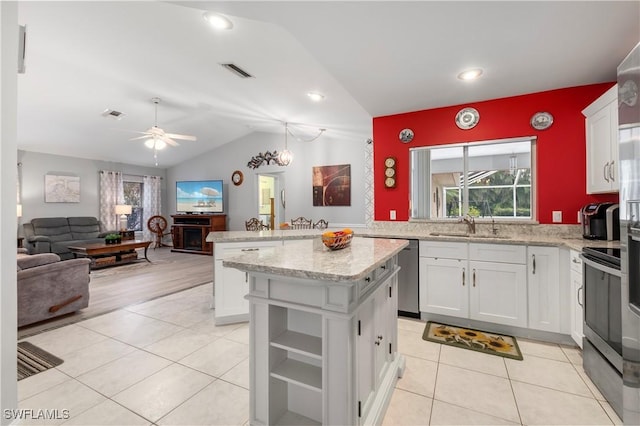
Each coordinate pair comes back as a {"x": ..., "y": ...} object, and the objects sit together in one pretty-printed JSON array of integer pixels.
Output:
[{"x": 48, "y": 287}]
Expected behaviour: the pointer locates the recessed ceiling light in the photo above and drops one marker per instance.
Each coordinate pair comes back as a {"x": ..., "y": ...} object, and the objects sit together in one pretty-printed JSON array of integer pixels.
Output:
[
  {"x": 218, "y": 21},
  {"x": 470, "y": 74},
  {"x": 315, "y": 96}
]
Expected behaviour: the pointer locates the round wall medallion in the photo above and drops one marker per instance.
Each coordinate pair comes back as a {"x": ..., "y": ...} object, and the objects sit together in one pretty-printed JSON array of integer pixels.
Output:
[
  {"x": 467, "y": 118},
  {"x": 406, "y": 135},
  {"x": 541, "y": 120},
  {"x": 237, "y": 177}
]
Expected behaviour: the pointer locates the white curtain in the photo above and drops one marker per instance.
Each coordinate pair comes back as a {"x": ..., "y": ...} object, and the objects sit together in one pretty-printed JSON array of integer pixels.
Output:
[
  {"x": 111, "y": 193},
  {"x": 152, "y": 201}
]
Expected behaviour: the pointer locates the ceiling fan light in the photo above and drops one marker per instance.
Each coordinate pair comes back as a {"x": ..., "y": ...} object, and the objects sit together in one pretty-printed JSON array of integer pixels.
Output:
[
  {"x": 160, "y": 144},
  {"x": 149, "y": 143},
  {"x": 470, "y": 74},
  {"x": 315, "y": 96},
  {"x": 217, "y": 21}
]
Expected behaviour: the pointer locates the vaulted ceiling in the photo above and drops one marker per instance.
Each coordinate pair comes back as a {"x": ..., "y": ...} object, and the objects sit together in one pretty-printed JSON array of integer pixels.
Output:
[{"x": 368, "y": 59}]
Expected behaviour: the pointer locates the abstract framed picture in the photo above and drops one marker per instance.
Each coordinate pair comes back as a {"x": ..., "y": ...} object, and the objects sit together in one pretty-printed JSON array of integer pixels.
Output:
[
  {"x": 61, "y": 189},
  {"x": 332, "y": 185}
]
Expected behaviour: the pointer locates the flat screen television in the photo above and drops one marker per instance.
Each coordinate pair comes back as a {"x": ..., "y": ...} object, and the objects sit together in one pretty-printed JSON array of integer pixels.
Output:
[{"x": 199, "y": 196}]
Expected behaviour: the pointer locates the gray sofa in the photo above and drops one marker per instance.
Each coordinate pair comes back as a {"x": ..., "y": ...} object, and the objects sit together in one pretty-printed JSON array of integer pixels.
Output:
[
  {"x": 56, "y": 234},
  {"x": 48, "y": 288}
]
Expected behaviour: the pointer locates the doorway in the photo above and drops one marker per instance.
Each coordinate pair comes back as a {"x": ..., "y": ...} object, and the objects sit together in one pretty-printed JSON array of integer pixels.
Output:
[{"x": 271, "y": 203}]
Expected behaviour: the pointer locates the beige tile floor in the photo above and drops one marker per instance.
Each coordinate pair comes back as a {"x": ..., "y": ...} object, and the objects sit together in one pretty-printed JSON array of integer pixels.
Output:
[{"x": 165, "y": 362}]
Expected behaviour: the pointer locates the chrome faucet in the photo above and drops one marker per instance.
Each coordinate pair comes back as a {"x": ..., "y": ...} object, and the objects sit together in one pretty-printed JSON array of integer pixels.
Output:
[{"x": 471, "y": 223}]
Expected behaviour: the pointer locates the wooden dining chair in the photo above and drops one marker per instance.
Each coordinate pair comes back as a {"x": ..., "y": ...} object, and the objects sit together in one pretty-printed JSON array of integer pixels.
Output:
[
  {"x": 301, "y": 223},
  {"x": 255, "y": 224},
  {"x": 321, "y": 224}
]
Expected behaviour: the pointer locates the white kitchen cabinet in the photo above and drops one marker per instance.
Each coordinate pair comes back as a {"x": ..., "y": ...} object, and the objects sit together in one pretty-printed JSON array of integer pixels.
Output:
[
  {"x": 230, "y": 284},
  {"x": 498, "y": 293},
  {"x": 443, "y": 278},
  {"x": 577, "y": 297},
  {"x": 543, "y": 275},
  {"x": 444, "y": 286},
  {"x": 601, "y": 126}
]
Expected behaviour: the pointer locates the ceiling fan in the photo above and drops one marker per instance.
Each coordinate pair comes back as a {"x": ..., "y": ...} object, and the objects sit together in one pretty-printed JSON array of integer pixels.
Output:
[{"x": 158, "y": 138}]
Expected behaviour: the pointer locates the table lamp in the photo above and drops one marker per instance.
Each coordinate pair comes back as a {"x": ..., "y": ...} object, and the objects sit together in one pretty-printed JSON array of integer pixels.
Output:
[{"x": 123, "y": 210}]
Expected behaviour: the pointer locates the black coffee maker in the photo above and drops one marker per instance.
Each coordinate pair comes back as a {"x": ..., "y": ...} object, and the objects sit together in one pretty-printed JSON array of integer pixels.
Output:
[{"x": 601, "y": 221}]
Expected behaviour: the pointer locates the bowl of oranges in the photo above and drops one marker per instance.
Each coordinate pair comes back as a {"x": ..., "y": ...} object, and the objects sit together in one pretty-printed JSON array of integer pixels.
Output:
[{"x": 336, "y": 240}]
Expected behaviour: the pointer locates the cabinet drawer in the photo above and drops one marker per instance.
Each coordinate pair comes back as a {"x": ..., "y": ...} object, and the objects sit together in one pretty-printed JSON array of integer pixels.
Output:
[
  {"x": 443, "y": 249},
  {"x": 224, "y": 250},
  {"x": 502, "y": 253},
  {"x": 575, "y": 262}
]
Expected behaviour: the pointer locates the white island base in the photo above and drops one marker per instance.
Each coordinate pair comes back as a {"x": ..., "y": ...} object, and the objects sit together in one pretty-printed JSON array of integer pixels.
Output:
[{"x": 323, "y": 346}]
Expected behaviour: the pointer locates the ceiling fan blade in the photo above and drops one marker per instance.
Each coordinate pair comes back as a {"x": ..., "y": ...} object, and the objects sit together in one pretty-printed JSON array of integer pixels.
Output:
[
  {"x": 181, "y": 137},
  {"x": 169, "y": 141},
  {"x": 140, "y": 137}
]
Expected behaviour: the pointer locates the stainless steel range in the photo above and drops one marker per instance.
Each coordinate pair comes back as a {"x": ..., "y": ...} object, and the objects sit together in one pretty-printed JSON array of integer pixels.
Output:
[{"x": 602, "y": 345}]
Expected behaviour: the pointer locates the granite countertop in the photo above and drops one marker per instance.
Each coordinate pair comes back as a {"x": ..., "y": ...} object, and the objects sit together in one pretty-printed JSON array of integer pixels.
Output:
[
  {"x": 571, "y": 241},
  {"x": 310, "y": 259}
]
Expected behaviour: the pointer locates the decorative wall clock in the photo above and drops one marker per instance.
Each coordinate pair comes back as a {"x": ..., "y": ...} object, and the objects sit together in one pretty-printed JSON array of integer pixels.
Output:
[
  {"x": 467, "y": 118},
  {"x": 541, "y": 120},
  {"x": 406, "y": 135},
  {"x": 237, "y": 177}
]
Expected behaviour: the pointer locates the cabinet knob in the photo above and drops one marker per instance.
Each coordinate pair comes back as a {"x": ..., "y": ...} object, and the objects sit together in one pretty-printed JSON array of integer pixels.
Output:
[
  {"x": 377, "y": 343},
  {"x": 368, "y": 279},
  {"x": 379, "y": 337}
]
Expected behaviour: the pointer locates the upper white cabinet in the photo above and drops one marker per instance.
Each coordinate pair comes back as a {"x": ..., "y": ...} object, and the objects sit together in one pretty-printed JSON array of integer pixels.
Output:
[{"x": 602, "y": 143}]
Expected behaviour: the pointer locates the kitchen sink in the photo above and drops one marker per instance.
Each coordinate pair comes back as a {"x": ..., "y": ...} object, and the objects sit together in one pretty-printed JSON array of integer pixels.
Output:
[{"x": 459, "y": 234}]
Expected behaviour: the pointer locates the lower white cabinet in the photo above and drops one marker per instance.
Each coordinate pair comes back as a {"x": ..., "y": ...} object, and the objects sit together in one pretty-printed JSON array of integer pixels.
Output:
[
  {"x": 544, "y": 288},
  {"x": 444, "y": 286},
  {"x": 576, "y": 301},
  {"x": 498, "y": 293},
  {"x": 230, "y": 284}
]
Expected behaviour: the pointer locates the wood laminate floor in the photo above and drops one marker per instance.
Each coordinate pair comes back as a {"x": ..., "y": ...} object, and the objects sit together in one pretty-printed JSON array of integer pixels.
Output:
[{"x": 119, "y": 286}]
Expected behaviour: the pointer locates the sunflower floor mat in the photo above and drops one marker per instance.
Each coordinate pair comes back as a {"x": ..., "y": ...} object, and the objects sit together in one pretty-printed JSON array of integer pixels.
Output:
[{"x": 476, "y": 340}]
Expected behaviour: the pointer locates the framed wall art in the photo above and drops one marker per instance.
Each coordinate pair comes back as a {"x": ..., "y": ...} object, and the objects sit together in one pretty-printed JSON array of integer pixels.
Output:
[
  {"x": 332, "y": 185},
  {"x": 61, "y": 189}
]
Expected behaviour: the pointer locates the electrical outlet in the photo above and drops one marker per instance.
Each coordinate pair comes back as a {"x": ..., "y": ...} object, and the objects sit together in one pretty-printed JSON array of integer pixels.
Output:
[
  {"x": 392, "y": 214},
  {"x": 579, "y": 216},
  {"x": 557, "y": 216}
]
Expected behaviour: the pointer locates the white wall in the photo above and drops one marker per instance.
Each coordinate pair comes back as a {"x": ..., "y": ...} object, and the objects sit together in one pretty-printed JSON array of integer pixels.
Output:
[
  {"x": 241, "y": 202},
  {"x": 36, "y": 165},
  {"x": 8, "y": 136}
]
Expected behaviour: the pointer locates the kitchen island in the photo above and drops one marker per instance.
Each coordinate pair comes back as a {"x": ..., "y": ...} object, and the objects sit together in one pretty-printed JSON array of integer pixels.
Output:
[{"x": 323, "y": 331}]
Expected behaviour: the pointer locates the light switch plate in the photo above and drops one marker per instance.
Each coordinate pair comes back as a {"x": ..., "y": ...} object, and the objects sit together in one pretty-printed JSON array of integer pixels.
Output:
[
  {"x": 557, "y": 216},
  {"x": 392, "y": 214}
]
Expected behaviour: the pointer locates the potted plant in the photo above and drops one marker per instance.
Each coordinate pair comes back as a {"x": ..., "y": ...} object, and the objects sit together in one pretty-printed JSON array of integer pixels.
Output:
[{"x": 112, "y": 239}]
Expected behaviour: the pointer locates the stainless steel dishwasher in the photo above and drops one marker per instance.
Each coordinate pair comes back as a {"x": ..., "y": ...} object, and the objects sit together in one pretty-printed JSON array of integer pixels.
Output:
[{"x": 408, "y": 285}]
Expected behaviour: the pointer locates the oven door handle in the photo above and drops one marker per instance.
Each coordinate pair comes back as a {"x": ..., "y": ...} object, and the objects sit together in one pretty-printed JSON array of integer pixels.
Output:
[{"x": 601, "y": 267}]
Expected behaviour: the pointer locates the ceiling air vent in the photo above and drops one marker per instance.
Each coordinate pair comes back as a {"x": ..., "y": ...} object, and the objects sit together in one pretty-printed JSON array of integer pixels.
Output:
[
  {"x": 237, "y": 70},
  {"x": 116, "y": 115}
]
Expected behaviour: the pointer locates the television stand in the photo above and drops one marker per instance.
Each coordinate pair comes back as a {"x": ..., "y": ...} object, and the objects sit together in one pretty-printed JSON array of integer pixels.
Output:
[{"x": 189, "y": 232}]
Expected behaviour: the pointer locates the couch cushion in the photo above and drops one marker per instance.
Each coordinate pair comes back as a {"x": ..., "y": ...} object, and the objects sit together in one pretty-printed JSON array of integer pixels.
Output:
[
  {"x": 26, "y": 261},
  {"x": 56, "y": 228},
  {"x": 84, "y": 228}
]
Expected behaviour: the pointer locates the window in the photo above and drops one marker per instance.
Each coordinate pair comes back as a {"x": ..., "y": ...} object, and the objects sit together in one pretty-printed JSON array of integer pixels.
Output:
[
  {"x": 133, "y": 197},
  {"x": 483, "y": 179}
]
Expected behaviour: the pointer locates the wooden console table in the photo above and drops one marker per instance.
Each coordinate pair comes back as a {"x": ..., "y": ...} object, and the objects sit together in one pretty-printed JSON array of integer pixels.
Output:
[{"x": 189, "y": 232}]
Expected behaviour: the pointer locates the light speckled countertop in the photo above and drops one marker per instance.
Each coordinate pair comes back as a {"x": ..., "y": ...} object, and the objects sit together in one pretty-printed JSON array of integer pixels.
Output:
[
  {"x": 546, "y": 238},
  {"x": 310, "y": 259}
]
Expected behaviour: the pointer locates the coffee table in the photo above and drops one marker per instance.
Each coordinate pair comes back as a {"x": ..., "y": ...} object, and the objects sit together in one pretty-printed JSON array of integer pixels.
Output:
[{"x": 113, "y": 254}]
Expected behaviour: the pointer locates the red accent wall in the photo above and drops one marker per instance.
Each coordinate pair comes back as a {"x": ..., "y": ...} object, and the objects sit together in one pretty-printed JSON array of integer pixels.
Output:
[{"x": 561, "y": 149}]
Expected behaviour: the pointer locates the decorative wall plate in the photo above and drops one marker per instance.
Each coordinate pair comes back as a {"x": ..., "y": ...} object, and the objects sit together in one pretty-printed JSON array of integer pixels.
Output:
[
  {"x": 406, "y": 135},
  {"x": 467, "y": 118},
  {"x": 541, "y": 120}
]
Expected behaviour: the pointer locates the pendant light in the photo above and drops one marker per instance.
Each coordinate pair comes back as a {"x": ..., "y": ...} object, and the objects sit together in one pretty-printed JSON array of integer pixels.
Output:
[{"x": 285, "y": 157}]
